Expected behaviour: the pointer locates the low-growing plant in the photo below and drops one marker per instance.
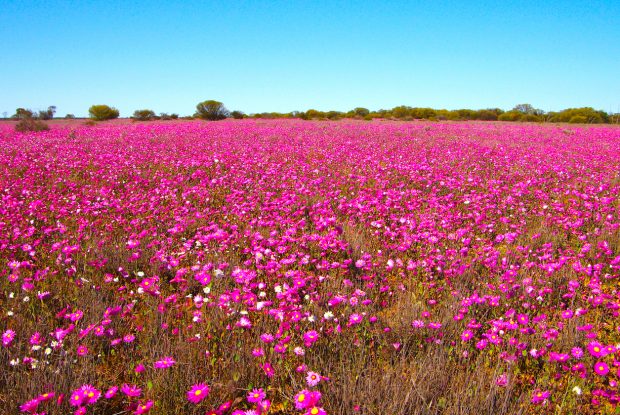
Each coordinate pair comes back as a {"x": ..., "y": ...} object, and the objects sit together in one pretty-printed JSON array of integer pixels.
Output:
[
  {"x": 31, "y": 125},
  {"x": 102, "y": 112}
]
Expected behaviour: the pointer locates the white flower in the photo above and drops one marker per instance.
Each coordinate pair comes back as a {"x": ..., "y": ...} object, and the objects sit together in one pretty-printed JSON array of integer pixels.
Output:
[
  {"x": 14, "y": 362},
  {"x": 10, "y": 313},
  {"x": 12, "y": 295},
  {"x": 48, "y": 350},
  {"x": 312, "y": 319},
  {"x": 206, "y": 290},
  {"x": 577, "y": 390},
  {"x": 277, "y": 289},
  {"x": 328, "y": 315},
  {"x": 140, "y": 274}
]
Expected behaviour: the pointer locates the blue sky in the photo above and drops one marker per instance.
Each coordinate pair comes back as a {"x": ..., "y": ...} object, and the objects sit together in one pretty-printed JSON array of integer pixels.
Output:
[{"x": 292, "y": 55}]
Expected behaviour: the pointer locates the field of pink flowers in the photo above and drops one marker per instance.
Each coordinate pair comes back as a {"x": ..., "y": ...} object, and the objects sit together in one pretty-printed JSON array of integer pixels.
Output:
[{"x": 290, "y": 267}]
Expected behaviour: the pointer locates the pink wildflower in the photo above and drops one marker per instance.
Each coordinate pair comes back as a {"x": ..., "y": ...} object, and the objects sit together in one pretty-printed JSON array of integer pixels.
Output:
[{"x": 198, "y": 392}]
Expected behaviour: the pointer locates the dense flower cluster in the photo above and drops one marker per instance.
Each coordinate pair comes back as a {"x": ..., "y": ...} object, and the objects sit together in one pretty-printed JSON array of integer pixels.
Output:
[{"x": 227, "y": 267}]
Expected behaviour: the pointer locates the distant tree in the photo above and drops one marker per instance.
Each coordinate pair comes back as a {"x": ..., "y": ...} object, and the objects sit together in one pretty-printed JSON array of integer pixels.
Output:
[
  {"x": 401, "y": 111},
  {"x": 47, "y": 114},
  {"x": 528, "y": 109},
  {"x": 590, "y": 115},
  {"x": 312, "y": 114},
  {"x": 237, "y": 115},
  {"x": 211, "y": 110},
  {"x": 5, "y": 114},
  {"x": 103, "y": 112},
  {"x": 423, "y": 113},
  {"x": 360, "y": 112},
  {"x": 143, "y": 115},
  {"x": 334, "y": 115},
  {"x": 23, "y": 113},
  {"x": 489, "y": 114},
  {"x": 69, "y": 116}
]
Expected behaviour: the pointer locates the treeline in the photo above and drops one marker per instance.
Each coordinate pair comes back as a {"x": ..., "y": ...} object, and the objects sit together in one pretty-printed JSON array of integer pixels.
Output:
[
  {"x": 520, "y": 113},
  {"x": 212, "y": 110}
]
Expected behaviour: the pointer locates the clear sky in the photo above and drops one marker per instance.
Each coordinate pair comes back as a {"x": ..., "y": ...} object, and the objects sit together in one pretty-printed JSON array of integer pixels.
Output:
[{"x": 260, "y": 56}]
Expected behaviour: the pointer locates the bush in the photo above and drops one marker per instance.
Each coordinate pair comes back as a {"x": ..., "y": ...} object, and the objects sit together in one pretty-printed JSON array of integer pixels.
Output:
[
  {"x": 578, "y": 119},
  {"x": 143, "y": 115},
  {"x": 211, "y": 110},
  {"x": 103, "y": 112},
  {"x": 510, "y": 116},
  {"x": 47, "y": 114},
  {"x": 22, "y": 113},
  {"x": 30, "y": 124},
  {"x": 237, "y": 115}
]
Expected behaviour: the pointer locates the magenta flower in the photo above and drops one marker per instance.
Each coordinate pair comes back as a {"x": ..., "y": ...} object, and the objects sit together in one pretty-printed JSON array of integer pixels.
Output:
[
  {"x": 197, "y": 393},
  {"x": 110, "y": 393},
  {"x": 164, "y": 363},
  {"x": 256, "y": 396},
  {"x": 268, "y": 369},
  {"x": 203, "y": 277},
  {"x": 77, "y": 398},
  {"x": 466, "y": 335},
  {"x": 355, "y": 319},
  {"x": 306, "y": 399},
  {"x": 91, "y": 394},
  {"x": 315, "y": 410},
  {"x": 310, "y": 337},
  {"x": 30, "y": 406},
  {"x": 523, "y": 319},
  {"x": 143, "y": 407},
  {"x": 539, "y": 396},
  {"x": 131, "y": 390},
  {"x": 601, "y": 368},
  {"x": 596, "y": 349},
  {"x": 313, "y": 379},
  {"x": 7, "y": 337}
]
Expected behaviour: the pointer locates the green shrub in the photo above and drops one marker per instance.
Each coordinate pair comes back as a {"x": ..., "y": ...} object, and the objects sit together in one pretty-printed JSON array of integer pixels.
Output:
[
  {"x": 143, "y": 115},
  {"x": 103, "y": 112},
  {"x": 211, "y": 110},
  {"x": 578, "y": 119}
]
